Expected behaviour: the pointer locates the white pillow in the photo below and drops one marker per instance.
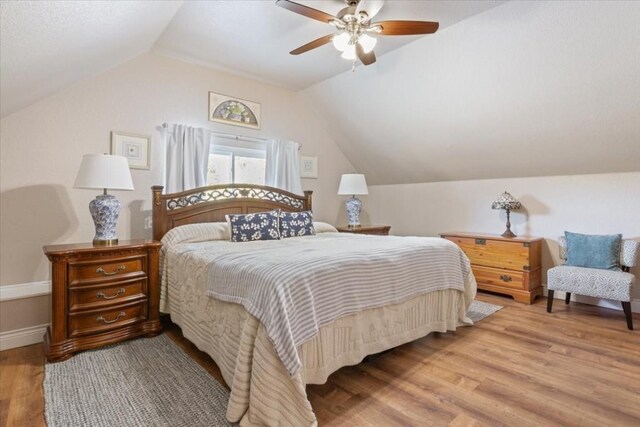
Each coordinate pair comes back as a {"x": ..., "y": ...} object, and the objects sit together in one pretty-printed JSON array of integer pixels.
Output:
[
  {"x": 201, "y": 232},
  {"x": 323, "y": 227}
]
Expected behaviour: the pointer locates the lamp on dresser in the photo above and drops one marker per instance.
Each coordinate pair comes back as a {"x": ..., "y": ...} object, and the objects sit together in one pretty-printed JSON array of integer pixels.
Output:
[
  {"x": 104, "y": 171},
  {"x": 508, "y": 203},
  {"x": 353, "y": 184}
]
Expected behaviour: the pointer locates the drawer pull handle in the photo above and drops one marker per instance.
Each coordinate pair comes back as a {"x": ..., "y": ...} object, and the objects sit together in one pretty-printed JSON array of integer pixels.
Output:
[
  {"x": 121, "y": 267},
  {"x": 101, "y": 319},
  {"x": 481, "y": 242},
  {"x": 505, "y": 278},
  {"x": 101, "y": 294}
]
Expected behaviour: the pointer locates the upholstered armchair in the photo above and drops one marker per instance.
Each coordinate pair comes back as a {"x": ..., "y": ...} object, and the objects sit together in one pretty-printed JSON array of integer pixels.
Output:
[{"x": 608, "y": 284}]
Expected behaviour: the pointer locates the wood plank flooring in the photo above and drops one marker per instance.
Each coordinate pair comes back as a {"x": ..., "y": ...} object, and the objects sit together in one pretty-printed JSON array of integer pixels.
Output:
[{"x": 578, "y": 366}]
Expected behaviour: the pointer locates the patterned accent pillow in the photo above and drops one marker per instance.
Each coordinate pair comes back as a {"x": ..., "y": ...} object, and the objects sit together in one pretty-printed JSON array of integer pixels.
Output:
[
  {"x": 293, "y": 224},
  {"x": 255, "y": 226}
]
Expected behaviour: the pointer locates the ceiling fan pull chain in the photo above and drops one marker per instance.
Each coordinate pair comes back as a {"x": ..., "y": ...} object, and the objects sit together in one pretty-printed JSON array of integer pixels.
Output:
[{"x": 353, "y": 66}]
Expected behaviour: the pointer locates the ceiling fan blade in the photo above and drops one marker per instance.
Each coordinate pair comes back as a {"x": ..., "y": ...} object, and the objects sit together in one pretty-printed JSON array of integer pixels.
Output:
[
  {"x": 372, "y": 7},
  {"x": 312, "y": 45},
  {"x": 406, "y": 28},
  {"x": 309, "y": 12},
  {"x": 365, "y": 58}
]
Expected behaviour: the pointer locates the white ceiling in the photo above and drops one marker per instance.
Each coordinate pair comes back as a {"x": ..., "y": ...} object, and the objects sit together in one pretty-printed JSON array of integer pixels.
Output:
[
  {"x": 46, "y": 46},
  {"x": 255, "y": 37},
  {"x": 526, "y": 89}
]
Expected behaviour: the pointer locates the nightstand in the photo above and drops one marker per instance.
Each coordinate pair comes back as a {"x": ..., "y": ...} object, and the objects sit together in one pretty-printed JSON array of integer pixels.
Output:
[
  {"x": 102, "y": 295},
  {"x": 380, "y": 230},
  {"x": 504, "y": 265}
]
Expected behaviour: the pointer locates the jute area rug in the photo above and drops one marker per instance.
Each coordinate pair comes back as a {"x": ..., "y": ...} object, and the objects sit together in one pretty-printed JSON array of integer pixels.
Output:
[{"x": 143, "y": 382}]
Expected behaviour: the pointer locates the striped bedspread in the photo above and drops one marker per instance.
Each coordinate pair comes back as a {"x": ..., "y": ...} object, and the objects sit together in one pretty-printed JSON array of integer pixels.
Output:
[{"x": 294, "y": 286}]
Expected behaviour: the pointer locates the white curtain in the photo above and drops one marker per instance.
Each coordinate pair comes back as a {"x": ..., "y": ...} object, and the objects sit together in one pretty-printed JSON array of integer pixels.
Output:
[
  {"x": 283, "y": 165},
  {"x": 187, "y": 157}
]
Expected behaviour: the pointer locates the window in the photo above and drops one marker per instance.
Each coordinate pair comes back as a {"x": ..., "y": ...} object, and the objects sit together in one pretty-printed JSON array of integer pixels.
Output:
[{"x": 229, "y": 164}]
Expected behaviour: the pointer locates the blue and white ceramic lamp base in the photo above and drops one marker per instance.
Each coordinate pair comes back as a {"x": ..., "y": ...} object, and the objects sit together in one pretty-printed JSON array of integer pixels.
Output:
[
  {"x": 105, "y": 209},
  {"x": 354, "y": 207}
]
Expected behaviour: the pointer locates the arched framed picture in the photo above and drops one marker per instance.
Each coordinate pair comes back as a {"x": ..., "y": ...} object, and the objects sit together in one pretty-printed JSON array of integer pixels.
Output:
[{"x": 233, "y": 111}]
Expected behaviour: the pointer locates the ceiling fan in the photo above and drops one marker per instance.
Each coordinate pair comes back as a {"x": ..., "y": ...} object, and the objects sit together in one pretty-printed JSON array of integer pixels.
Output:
[{"x": 355, "y": 29}]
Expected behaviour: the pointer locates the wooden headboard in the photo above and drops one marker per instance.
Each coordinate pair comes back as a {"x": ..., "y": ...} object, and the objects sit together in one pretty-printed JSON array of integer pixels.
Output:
[{"x": 212, "y": 203}]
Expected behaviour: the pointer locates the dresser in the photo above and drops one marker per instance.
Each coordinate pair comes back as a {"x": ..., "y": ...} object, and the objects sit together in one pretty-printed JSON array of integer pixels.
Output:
[
  {"x": 380, "y": 230},
  {"x": 101, "y": 295},
  {"x": 504, "y": 265}
]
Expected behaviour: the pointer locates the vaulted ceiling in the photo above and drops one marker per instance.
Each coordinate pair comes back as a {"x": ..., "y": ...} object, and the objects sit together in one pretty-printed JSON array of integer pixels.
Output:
[
  {"x": 46, "y": 46},
  {"x": 529, "y": 88}
]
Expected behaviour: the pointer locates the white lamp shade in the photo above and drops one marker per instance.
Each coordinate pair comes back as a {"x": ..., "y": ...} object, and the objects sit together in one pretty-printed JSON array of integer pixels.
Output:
[
  {"x": 341, "y": 41},
  {"x": 367, "y": 42},
  {"x": 353, "y": 183},
  {"x": 104, "y": 171}
]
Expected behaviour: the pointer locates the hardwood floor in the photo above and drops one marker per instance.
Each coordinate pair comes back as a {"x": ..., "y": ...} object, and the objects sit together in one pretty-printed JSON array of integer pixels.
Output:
[{"x": 578, "y": 366}]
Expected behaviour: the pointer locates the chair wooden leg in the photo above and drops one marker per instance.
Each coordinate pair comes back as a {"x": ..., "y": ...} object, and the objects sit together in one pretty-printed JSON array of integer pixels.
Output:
[
  {"x": 626, "y": 306},
  {"x": 550, "y": 300},
  {"x": 567, "y": 298}
]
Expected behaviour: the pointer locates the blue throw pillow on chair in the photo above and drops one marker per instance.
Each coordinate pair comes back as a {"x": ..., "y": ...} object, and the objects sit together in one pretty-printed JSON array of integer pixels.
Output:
[{"x": 593, "y": 251}]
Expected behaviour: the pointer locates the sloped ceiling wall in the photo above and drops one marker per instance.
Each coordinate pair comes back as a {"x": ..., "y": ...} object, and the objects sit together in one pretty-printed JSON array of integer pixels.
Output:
[
  {"x": 524, "y": 89},
  {"x": 45, "y": 46}
]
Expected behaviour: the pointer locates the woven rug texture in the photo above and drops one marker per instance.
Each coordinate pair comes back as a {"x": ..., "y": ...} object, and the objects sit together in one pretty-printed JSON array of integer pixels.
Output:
[
  {"x": 478, "y": 310},
  {"x": 143, "y": 382}
]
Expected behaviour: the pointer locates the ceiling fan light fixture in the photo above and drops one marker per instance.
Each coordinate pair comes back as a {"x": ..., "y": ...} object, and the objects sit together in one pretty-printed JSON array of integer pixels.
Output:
[
  {"x": 341, "y": 41},
  {"x": 367, "y": 42},
  {"x": 350, "y": 52}
]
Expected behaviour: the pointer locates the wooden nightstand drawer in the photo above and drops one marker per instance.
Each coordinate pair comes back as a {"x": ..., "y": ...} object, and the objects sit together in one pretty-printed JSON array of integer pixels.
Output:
[
  {"x": 101, "y": 295},
  {"x": 90, "y": 271},
  {"x": 97, "y": 321},
  {"x": 494, "y": 253},
  {"x": 378, "y": 230},
  {"x": 498, "y": 277},
  {"x": 107, "y": 294}
]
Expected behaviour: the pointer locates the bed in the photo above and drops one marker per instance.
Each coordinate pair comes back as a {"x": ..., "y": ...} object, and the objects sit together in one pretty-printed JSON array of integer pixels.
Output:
[{"x": 265, "y": 389}]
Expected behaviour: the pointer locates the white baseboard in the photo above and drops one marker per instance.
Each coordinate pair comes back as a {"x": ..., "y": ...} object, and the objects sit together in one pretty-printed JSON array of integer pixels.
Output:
[
  {"x": 22, "y": 337},
  {"x": 635, "y": 303},
  {"x": 25, "y": 290}
]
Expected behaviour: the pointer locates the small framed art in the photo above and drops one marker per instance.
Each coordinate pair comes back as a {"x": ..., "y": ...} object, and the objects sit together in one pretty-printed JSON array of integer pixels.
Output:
[
  {"x": 136, "y": 148},
  {"x": 308, "y": 167},
  {"x": 234, "y": 111}
]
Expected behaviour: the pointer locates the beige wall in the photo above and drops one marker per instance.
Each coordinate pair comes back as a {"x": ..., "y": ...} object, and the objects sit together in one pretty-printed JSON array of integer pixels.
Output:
[
  {"x": 42, "y": 145},
  {"x": 593, "y": 204}
]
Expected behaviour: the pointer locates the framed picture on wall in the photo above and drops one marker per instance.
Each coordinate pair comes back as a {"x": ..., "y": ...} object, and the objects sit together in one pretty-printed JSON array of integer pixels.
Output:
[
  {"x": 234, "y": 111},
  {"x": 308, "y": 167},
  {"x": 136, "y": 148}
]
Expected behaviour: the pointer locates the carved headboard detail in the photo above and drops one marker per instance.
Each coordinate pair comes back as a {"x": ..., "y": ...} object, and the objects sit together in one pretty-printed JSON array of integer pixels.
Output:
[{"x": 212, "y": 203}]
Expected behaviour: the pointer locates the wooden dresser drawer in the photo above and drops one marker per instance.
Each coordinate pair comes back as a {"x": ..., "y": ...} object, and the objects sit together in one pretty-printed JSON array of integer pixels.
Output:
[
  {"x": 498, "y": 277},
  {"x": 503, "y": 264},
  {"x": 107, "y": 294},
  {"x": 494, "y": 253},
  {"x": 91, "y": 271},
  {"x": 97, "y": 321}
]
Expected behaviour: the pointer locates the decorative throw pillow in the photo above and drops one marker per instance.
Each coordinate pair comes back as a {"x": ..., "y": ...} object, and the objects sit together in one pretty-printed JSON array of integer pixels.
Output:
[
  {"x": 593, "y": 251},
  {"x": 255, "y": 226},
  {"x": 294, "y": 224}
]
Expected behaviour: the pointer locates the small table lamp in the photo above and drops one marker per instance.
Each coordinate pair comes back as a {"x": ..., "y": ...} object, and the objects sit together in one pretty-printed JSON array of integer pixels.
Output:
[
  {"x": 508, "y": 203},
  {"x": 103, "y": 171},
  {"x": 353, "y": 184}
]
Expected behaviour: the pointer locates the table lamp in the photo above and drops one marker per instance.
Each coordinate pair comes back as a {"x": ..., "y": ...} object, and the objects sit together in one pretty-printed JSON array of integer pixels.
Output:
[
  {"x": 353, "y": 184},
  {"x": 104, "y": 171},
  {"x": 508, "y": 203}
]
